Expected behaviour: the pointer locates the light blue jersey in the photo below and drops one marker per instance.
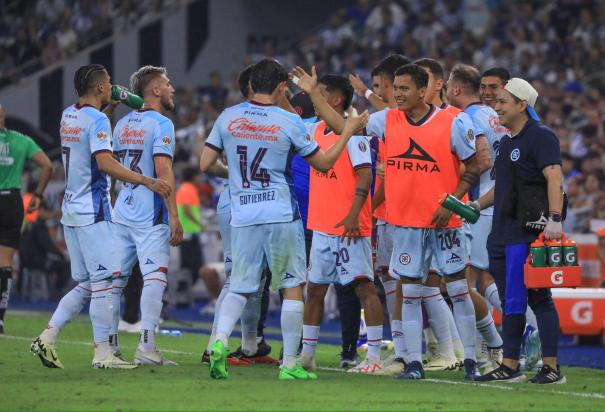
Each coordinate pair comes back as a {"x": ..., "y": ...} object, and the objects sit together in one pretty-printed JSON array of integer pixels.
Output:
[
  {"x": 486, "y": 123},
  {"x": 462, "y": 141},
  {"x": 138, "y": 138},
  {"x": 259, "y": 142},
  {"x": 84, "y": 131}
]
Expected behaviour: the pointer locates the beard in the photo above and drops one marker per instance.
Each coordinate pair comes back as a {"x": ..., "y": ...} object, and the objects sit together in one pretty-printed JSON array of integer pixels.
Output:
[{"x": 167, "y": 104}]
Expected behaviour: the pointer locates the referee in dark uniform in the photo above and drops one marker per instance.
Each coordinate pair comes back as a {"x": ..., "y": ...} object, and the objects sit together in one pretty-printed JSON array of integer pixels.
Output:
[
  {"x": 15, "y": 150},
  {"x": 528, "y": 177}
]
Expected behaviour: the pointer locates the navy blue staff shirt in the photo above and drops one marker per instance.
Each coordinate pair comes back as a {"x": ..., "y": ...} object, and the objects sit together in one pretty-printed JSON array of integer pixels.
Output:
[{"x": 528, "y": 153}]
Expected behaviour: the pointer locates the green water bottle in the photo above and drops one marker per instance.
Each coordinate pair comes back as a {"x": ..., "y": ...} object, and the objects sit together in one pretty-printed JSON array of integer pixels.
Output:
[
  {"x": 553, "y": 249},
  {"x": 570, "y": 253},
  {"x": 454, "y": 205},
  {"x": 537, "y": 251},
  {"x": 125, "y": 96}
]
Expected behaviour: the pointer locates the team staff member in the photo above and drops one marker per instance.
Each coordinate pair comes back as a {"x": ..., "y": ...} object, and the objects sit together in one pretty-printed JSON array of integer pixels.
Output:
[
  {"x": 532, "y": 154},
  {"x": 15, "y": 150}
]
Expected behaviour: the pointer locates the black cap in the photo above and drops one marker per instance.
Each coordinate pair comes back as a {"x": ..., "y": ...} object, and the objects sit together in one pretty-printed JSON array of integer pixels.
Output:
[{"x": 303, "y": 105}]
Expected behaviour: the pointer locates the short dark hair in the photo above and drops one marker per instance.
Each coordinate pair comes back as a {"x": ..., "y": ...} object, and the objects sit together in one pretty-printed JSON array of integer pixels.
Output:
[
  {"x": 468, "y": 76},
  {"x": 243, "y": 81},
  {"x": 342, "y": 85},
  {"x": 433, "y": 66},
  {"x": 140, "y": 79},
  {"x": 375, "y": 72},
  {"x": 189, "y": 173},
  {"x": 499, "y": 72},
  {"x": 419, "y": 76},
  {"x": 390, "y": 64},
  {"x": 266, "y": 75},
  {"x": 87, "y": 77}
]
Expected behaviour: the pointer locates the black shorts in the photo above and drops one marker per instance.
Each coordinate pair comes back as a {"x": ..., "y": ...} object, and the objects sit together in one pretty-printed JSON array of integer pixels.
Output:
[{"x": 11, "y": 217}]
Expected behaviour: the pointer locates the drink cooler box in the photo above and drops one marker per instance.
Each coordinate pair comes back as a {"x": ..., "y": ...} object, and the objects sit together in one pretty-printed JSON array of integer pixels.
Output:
[{"x": 551, "y": 276}]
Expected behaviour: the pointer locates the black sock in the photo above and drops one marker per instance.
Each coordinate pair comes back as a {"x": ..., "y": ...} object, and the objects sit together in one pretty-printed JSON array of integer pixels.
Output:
[{"x": 6, "y": 281}]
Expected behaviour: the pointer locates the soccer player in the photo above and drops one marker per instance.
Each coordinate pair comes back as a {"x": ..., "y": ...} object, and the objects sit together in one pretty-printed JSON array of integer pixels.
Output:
[
  {"x": 393, "y": 364},
  {"x": 251, "y": 350},
  {"x": 381, "y": 95},
  {"x": 15, "y": 150},
  {"x": 444, "y": 348},
  {"x": 146, "y": 226},
  {"x": 531, "y": 154},
  {"x": 258, "y": 138},
  {"x": 334, "y": 259},
  {"x": 463, "y": 92},
  {"x": 492, "y": 82},
  {"x": 87, "y": 217},
  {"x": 423, "y": 149}
]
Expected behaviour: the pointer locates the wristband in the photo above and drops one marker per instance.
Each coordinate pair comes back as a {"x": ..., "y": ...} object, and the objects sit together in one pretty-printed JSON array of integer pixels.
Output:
[{"x": 368, "y": 93}]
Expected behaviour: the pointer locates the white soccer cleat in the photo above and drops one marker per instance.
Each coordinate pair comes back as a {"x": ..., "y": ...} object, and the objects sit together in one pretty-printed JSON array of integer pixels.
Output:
[
  {"x": 152, "y": 358},
  {"x": 441, "y": 363},
  {"x": 307, "y": 361},
  {"x": 111, "y": 362},
  {"x": 47, "y": 353},
  {"x": 368, "y": 366},
  {"x": 458, "y": 351},
  {"x": 392, "y": 365}
]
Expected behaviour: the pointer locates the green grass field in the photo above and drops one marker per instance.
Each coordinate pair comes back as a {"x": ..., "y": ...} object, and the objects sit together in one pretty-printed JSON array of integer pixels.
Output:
[{"x": 26, "y": 385}]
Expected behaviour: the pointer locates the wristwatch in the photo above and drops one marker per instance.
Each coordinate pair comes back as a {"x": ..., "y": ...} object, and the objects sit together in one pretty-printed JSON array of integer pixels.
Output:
[{"x": 555, "y": 217}]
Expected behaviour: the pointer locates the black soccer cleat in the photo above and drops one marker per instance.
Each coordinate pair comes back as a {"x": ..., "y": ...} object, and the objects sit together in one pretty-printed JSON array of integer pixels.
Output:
[
  {"x": 261, "y": 355},
  {"x": 206, "y": 358},
  {"x": 470, "y": 370},
  {"x": 547, "y": 376},
  {"x": 502, "y": 374}
]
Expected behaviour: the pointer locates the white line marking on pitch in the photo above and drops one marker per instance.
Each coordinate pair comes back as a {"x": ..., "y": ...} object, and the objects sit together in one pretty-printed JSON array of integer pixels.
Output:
[
  {"x": 497, "y": 386},
  {"x": 591, "y": 395}
]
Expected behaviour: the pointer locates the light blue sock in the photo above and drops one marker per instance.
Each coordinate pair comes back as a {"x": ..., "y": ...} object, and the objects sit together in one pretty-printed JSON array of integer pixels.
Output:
[
  {"x": 101, "y": 310},
  {"x": 69, "y": 307},
  {"x": 250, "y": 318},
  {"x": 291, "y": 329},
  {"x": 411, "y": 321},
  {"x": 154, "y": 284}
]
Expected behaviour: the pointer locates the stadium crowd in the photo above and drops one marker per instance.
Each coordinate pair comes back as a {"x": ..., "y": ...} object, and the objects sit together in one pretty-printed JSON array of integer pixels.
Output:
[{"x": 38, "y": 34}]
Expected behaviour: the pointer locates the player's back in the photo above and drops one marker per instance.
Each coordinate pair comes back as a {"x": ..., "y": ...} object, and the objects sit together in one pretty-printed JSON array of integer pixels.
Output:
[
  {"x": 487, "y": 123},
  {"x": 138, "y": 138},
  {"x": 259, "y": 142},
  {"x": 84, "y": 132}
]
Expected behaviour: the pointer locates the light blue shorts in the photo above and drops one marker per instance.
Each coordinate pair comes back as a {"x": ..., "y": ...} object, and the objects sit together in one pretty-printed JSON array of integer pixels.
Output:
[
  {"x": 478, "y": 247},
  {"x": 384, "y": 246},
  {"x": 415, "y": 248},
  {"x": 280, "y": 245},
  {"x": 149, "y": 245},
  {"x": 333, "y": 261},
  {"x": 224, "y": 223},
  {"x": 93, "y": 251}
]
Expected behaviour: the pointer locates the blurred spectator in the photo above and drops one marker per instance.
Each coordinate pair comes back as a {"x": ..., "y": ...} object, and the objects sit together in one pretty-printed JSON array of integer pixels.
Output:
[
  {"x": 51, "y": 52},
  {"x": 189, "y": 208},
  {"x": 67, "y": 39}
]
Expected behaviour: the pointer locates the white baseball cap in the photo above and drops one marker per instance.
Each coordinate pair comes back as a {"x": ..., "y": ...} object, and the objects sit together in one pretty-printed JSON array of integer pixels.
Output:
[{"x": 521, "y": 89}]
